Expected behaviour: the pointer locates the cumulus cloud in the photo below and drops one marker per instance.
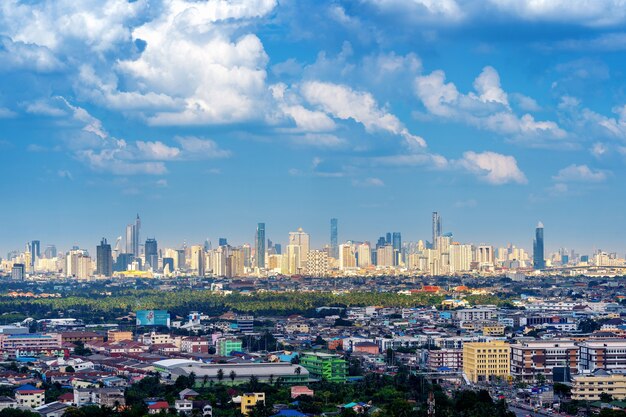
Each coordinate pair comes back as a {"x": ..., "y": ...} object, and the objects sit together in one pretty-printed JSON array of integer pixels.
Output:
[
  {"x": 368, "y": 182},
  {"x": 487, "y": 108},
  {"x": 493, "y": 167},
  {"x": 579, "y": 173},
  {"x": 345, "y": 103}
]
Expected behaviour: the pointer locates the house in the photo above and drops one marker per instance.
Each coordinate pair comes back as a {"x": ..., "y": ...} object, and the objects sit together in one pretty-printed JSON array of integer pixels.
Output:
[
  {"x": 298, "y": 390},
  {"x": 187, "y": 394},
  {"x": 30, "y": 396},
  {"x": 67, "y": 398},
  {"x": 7, "y": 402},
  {"x": 55, "y": 409},
  {"x": 183, "y": 406},
  {"x": 157, "y": 407}
]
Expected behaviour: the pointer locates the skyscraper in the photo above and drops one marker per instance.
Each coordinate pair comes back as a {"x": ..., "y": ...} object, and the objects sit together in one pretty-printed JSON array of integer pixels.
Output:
[
  {"x": 152, "y": 253},
  {"x": 132, "y": 237},
  {"x": 104, "y": 259},
  {"x": 397, "y": 247},
  {"x": 35, "y": 251},
  {"x": 539, "y": 261},
  {"x": 334, "y": 249},
  {"x": 436, "y": 228},
  {"x": 260, "y": 246},
  {"x": 301, "y": 240},
  {"x": 222, "y": 241}
]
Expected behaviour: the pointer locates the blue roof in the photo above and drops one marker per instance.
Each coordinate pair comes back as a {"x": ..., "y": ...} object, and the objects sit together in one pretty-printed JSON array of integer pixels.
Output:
[
  {"x": 289, "y": 413},
  {"x": 27, "y": 387}
]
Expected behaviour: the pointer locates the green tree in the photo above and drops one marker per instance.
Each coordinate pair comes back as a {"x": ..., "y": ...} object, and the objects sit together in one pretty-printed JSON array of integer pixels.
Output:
[{"x": 220, "y": 375}]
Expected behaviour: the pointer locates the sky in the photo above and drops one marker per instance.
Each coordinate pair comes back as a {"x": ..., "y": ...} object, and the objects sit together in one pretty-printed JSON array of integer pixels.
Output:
[{"x": 208, "y": 116}]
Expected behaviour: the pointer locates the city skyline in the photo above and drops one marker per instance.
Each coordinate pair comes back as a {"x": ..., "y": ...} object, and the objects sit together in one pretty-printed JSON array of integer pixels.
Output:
[
  {"x": 394, "y": 239},
  {"x": 497, "y": 114}
]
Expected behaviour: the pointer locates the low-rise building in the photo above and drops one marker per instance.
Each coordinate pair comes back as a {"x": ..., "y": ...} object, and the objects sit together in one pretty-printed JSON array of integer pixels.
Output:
[
  {"x": 325, "y": 366},
  {"x": 30, "y": 396},
  {"x": 250, "y": 400},
  {"x": 589, "y": 387},
  {"x": 534, "y": 358}
]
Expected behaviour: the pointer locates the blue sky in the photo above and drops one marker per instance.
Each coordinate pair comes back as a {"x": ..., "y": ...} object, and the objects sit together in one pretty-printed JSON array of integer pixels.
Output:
[{"x": 207, "y": 117}]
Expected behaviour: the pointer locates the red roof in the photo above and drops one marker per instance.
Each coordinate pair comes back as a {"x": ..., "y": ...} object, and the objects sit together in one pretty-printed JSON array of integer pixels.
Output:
[{"x": 159, "y": 405}]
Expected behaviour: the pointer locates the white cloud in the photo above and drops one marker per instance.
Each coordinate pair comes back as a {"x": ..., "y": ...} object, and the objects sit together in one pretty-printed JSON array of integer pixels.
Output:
[
  {"x": 487, "y": 108},
  {"x": 113, "y": 161},
  {"x": 423, "y": 10},
  {"x": 368, "y": 182},
  {"x": 493, "y": 167},
  {"x": 345, "y": 103},
  {"x": 579, "y": 173},
  {"x": 156, "y": 151},
  {"x": 584, "y": 12},
  {"x": 6, "y": 113},
  {"x": 200, "y": 148},
  {"x": 22, "y": 56},
  {"x": 44, "y": 108}
]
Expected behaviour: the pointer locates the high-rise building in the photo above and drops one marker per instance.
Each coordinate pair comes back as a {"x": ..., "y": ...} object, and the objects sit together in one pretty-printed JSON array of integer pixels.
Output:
[
  {"x": 35, "y": 251},
  {"x": 396, "y": 242},
  {"x": 260, "y": 245},
  {"x": 104, "y": 259},
  {"x": 301, "y": 240},
  {"x": 50, "y": 252},
  {"x": 123, "y": 261},
  {"x": 317, "y": 263},
  {"x": 18, "y": 272},
  {"x": 132, "y": 237},
  {"x": 347, "y": 256},
  {"x": 436, "y": 228},
  {"x": 334, "y": 249},
  {"x": 152, "y": 254},
  {"x": 222, "y": 241},
  {"x": 364, "y": 255},
  {"x": 538, "y": 250}
]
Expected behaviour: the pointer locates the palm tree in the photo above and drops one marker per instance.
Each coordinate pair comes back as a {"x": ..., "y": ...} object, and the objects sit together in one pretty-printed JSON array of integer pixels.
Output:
[
  {"x": 220, "y": 374},
  {"x": 297, "y": 371},
  {"x": 232, "y": 376}
]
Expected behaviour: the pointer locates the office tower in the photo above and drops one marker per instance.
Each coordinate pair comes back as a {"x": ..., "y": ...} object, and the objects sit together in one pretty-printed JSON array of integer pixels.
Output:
[
  {"x": 18, "y": 272},
  {"x": 222, "y": 241},
  {"x": 538, "y": 250},
  {"x": 300, "y": 239},
  {"x": 197, "y": 259},
  {"x": 50, "y": 252},
  {"x": 381, "y": 242},
  {"x": 278, "y": 248},
  {"x": 397, "y": 247},
  {"x": 35, "y": 251},
  {"x": 132, "y": 237},
  {"x": 385, "y": 256},
  {"x": 168, "y": 264},
  {"x": 152, "y": 254},
  {"x": 247, "y": 255},
  {"x": 181, "y": 260},
  {"x": 123, "y": 261},
  {"x": 388, "y": 239},
  {"x": 436, "y": 228},
  {"x": 207, "y": 245},
  {"x": 104, "y": 259},
  {"x": 260, "y": 245},
  {"x": 334, "y": 249}
]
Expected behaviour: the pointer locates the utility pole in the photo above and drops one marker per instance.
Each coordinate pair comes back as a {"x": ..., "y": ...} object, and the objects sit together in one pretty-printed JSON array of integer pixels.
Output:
[{"x": 431, "y": 404}]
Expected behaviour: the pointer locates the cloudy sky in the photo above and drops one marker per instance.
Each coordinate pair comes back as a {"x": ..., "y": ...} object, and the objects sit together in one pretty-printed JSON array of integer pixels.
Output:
[{"x": 208, "y": 116}]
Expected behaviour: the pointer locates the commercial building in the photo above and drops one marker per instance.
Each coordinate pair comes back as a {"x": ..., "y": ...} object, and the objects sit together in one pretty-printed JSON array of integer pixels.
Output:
[
  {"x": 226, "y": 345},
  {"x": 445, "y": 359},
  {"x": 104, "y": 259},
  {"x": 30, "y": 396},
  {"x": 324, "y": 366},
  {"x": 602, "y": 354},
  {"x": 22, "y": 344},
  {"x": 589, "y": 387},
  {"x": 531, "y": 359},
  {"x": 485, "y": 361}
]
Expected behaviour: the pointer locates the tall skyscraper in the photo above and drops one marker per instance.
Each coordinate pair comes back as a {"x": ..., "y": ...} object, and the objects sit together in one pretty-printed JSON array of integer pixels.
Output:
[
  {"x": 152, "y": 253},
  {"x": 35, "y": 251},
  {"x": 222, "y": 241},
  {"x": 539, "y": 261},
  {"x": 260, "y": 245},
  {"x": 104, "y": 259},
  {"x": 334, "y": 249},
  {"x": 396, "y": 242},
  {"x": 301, "y": 240},
  {"x": 436, "y": 228},
  {"x": 50, "y": 252},
  {"x": 132, "y": 237}
]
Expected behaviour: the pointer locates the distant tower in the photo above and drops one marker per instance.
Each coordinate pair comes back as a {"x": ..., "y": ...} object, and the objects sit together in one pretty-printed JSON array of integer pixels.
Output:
[
  {"x": 260, "y": 245},
  {"x": 334, "y": 248},
  {"x": 436, "y": 228},
  {"x": 104, "y": 259},
  {"x": 397, "y": 247},
  {"x": 35, "y": 251},
  {"x": 136, "y": 240},
  {"x": 539, "y": 261},
  {"x": 152, "y": 253},
  {"x": 132, "y": 237}
]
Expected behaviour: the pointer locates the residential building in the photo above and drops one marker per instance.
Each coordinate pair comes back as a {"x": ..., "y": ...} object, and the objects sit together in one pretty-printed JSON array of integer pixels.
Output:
[
  {"x": 30, "y": 396},
  {"x": 590, "y": 387},
  {"x": 324, "y": 366},
  {"x": 250, "y": 400},
  {"x": 602, "y": 354},
  {"x": 226, "y": 345},
  {"x": 534, "y": 358}
]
